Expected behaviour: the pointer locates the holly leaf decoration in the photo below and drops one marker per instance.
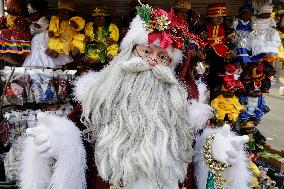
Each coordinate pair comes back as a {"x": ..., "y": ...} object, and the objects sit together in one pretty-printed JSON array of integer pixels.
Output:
[{"x": 145, "y": 12}]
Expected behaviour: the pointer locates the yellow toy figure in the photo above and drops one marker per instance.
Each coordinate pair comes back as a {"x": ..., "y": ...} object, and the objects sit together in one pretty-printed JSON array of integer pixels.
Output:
[
  {"x": 227, "y": 104},
  {"x": 64, "y": 31},
  {"x": 103, "y": 37}
]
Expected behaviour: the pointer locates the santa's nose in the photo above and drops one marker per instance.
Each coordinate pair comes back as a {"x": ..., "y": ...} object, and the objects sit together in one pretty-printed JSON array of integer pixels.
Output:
[{"x": 152, "y": 63}]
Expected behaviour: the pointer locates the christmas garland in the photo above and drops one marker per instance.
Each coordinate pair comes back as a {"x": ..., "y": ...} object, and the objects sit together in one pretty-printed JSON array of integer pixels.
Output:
[{"x": 216, "y": 167}]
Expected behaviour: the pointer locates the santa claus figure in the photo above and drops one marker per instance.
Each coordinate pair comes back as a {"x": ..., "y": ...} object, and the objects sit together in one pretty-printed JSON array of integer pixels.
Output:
[{"x": 137, "y": 117}]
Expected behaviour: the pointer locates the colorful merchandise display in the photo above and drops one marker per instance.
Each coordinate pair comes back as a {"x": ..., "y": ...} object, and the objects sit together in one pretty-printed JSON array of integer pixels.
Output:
[
  {"x": 174, "y": 104},
  {"x": 15, "y": 41}
]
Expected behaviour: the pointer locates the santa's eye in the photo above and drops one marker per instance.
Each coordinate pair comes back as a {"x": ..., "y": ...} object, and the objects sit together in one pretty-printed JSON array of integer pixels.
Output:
[
  {"x": 146, "y": 51},
  {"x": 164, "y": 57}
]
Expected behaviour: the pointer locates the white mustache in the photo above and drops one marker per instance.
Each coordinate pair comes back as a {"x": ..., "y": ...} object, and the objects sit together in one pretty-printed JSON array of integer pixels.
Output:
[{"x": 161, "y": 72}]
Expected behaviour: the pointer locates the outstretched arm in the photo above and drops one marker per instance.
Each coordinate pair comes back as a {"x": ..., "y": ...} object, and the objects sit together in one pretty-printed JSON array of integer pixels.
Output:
[{"x": 58, "y": 138}]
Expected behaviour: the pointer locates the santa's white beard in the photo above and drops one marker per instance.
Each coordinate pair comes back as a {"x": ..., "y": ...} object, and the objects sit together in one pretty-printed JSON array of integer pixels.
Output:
[{"x": 138, "y": 116}]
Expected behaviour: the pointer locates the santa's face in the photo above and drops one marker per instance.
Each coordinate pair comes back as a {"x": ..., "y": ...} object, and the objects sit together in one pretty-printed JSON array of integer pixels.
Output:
[
  {"x": 152, "y": 55},
  {"x": 138, "y": 103}
]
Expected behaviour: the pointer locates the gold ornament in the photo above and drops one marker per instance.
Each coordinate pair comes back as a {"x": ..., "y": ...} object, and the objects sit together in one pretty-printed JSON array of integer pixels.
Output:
[{"x": 215, "y": 166}]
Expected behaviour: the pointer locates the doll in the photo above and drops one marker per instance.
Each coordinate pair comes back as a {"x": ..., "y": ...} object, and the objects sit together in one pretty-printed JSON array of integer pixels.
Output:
[
  {"x": 255, "y": 105},
  {"x": 214, "y": 30},
  {"x": 103, "y": 38},
  {"x": 38, "y": 57},
  {"x": 64, "y": 31},
  {"x": 243, "y": 27},
  {"x": 265, "y": 39},
  {"x": 227, "y": 104},
  {"x": 214, "y": 34},
  {"x": 182, "y": 8},
  {"x": 243, "y": 37},
  {"x": 231, "y": 77},
  {"x": 14, "y": 34},
  {"x": 261, "y": 72}
]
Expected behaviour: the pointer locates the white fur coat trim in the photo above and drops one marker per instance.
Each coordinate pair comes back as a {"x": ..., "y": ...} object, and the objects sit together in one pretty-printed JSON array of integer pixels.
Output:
[
  {"x": 238, "y": 173},
  {"x": 83, "y": 85},
  {"x": 65, "y": 142}
]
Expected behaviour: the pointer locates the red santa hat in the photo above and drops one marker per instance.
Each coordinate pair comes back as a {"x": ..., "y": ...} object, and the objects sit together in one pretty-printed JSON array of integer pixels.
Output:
[{"x": 157, "y": 27}]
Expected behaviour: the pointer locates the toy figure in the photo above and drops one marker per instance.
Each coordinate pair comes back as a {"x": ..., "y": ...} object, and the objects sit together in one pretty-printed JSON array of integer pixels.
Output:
[
  {"x": 243, "y": 27},
  {"x": 255, "y": 105},
  {"x": 214, "y": 34},
  {"x": 103, "y": 38},
  {"x": 14, "y": 34},
  {"x": 38, "y": 57},
  {"x": 227, "y": 104},
  {"x": 64, "y": 31},
  {"x": 182, "y": 8},
  {"x": 214, "y": 31},
  {"x": 265, "y": 39},
  {"x": 231, "y": 77},
  {"x": 130, "y": 106},
  {"x": 261, "y": 73}
]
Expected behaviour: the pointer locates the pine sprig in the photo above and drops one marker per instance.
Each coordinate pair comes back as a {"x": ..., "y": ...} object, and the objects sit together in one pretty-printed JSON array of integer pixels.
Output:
[{"x": 145, "y": 12}]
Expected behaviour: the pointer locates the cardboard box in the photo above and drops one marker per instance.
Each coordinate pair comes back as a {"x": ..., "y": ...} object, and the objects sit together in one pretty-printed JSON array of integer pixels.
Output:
[{"x": 276, "y": 163}]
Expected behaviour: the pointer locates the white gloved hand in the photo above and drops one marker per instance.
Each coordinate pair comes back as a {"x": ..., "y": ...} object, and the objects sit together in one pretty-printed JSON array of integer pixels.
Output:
[
  {"x": 59, "y": 138},
  {"x": 42, "y": 136},
  {"x": 227, "y": 147},
  {"x": 50, "y": 134}
]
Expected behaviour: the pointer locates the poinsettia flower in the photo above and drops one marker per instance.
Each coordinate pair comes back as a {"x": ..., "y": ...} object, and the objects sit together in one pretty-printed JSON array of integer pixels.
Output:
[{"x": 159, "y": 12}]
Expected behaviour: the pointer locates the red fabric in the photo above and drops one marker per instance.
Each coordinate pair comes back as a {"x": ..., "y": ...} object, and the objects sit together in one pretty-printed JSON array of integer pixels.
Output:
[
  {"x": 217, "y": 9},
  {"x": 185, "y": 76},
  {"x": 214, "y": 32},
  {"x": 165, "y": 39},
  {"x": 220, "y": 49},
  {"x": 14, "y": 34},
  {"x": 216, "y": 37}
]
